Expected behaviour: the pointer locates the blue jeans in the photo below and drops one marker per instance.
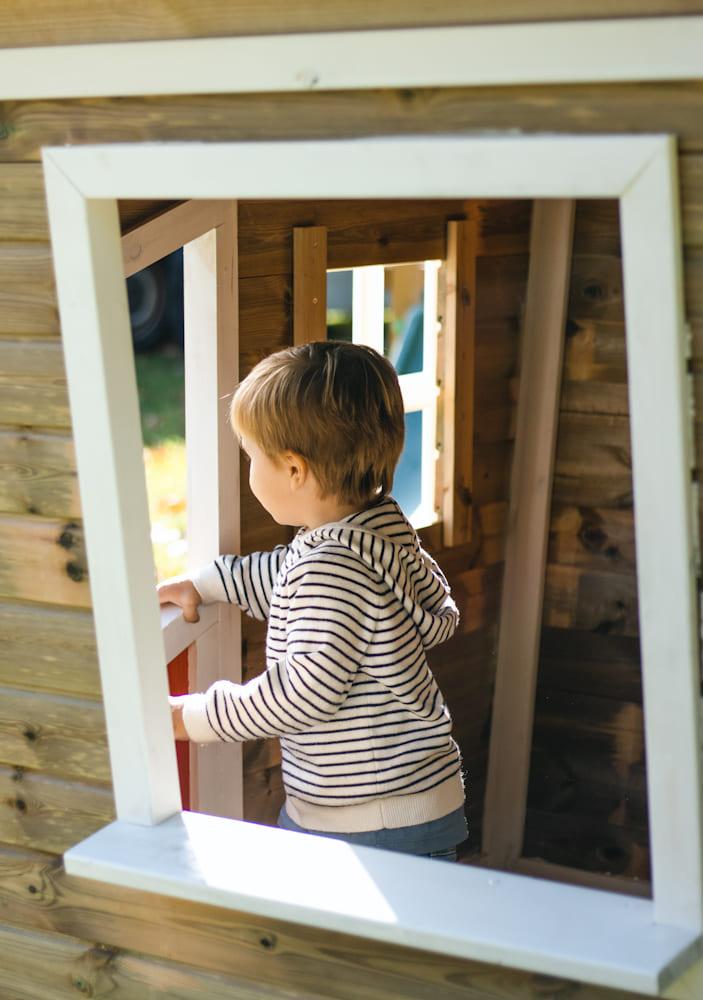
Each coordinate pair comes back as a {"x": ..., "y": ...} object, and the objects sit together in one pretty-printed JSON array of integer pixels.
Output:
[{"x": 436, "y": 839}]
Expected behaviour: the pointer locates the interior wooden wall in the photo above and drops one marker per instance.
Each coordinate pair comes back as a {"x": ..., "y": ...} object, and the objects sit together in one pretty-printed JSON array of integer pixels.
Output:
[{"x": 60, "y": 937}]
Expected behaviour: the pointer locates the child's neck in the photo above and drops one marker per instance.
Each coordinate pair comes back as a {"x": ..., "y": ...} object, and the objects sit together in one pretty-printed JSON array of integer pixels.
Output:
[{"x": 329, "y": 509}]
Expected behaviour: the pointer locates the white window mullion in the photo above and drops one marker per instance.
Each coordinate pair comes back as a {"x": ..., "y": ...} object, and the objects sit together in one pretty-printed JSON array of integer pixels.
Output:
[{"x": 368, "y": 306}]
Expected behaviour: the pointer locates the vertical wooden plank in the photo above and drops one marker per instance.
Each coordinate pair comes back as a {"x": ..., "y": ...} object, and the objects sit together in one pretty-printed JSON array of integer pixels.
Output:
[
  {"x": 309, "y": 284},
  {"x": 103, "y": 392},
  {"x": 528, "y": 530},
  {"x": 662, "y": 457},
  {"x": 212, "y": 364},
  {"x": 458, "y": 380}
]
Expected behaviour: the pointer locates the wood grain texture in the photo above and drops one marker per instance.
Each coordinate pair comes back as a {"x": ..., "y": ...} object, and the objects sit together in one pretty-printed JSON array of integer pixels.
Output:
[
  {"x": 22, "y": 203},
  {"x": 38, "y": 474},
  {"x": 33, "y": 390},
  {"x": 48, "y": 650},
  {"x": 53, "y": 735},
  {"x": 100, "y": 22},
  {"x": 596, "y": 108},
  {"x": 37, "y": 895},
  {"x": 309, "y": 284},
  {"x": 50, "y": 814},
  {"x": 27, "y": 292},
  {"x": 44, "y": 560}
]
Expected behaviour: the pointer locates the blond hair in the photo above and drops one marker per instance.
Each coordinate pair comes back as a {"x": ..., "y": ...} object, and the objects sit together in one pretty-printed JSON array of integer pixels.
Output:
[{"x": 338, "y": 405}]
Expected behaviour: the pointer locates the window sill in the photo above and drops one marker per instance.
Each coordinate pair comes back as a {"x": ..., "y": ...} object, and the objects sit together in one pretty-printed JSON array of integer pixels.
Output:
[{"x": 573, "y": 932}]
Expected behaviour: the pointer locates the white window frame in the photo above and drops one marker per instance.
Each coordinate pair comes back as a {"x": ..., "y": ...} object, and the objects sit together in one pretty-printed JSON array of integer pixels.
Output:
[
  {"x": 419, "y": 389},
  {"x": 593, "y": 936}
]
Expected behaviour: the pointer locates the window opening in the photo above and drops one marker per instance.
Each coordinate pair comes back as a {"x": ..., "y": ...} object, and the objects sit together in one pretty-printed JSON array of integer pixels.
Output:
[{"x": 393, "y": 308}]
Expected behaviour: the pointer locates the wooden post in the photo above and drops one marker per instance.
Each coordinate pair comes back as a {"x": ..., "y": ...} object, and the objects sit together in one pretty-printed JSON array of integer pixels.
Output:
[
  {"x": 458, "y": 381},
  {"x": 528, "y": 530},
  {"x": 309, "y": 284}
]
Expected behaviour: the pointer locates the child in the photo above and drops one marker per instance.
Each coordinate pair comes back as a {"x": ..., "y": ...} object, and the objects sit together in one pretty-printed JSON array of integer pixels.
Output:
[{"x": 353, "y": 604}]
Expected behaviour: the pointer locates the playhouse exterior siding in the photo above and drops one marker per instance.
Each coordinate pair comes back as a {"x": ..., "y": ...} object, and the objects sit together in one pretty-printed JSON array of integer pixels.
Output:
[{"x": 60, "y": 936}]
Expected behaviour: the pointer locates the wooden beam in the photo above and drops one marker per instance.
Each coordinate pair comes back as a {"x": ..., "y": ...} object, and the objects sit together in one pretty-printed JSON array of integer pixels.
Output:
[
  {"x": 528, "y": 530},
  {"x": 309, "y": 284},
  {"x": 458, "y": 380},
  {"x": 149, "y": 242}
]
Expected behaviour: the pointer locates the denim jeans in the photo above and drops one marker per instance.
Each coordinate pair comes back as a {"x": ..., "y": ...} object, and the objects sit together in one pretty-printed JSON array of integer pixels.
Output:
[{"x": 437, "y": 839}]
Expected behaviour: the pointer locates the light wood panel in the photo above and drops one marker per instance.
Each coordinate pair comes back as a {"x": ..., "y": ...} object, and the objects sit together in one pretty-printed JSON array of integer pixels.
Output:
[
  {"x": 27, "y": 296},
  {"x": 81, "y": 23},
  {"x": 277, "y": 954},
  {"x": 591, "y": 601},
  {"x": 47, "y": 813},
  {"x": 49, "y": 650},
  {"x": 674, "y": 107},
  {"x": 33, "y": 389},
  {"x": 43, "y": 560},
  {"x": 22, "y": 203},
  {"x": 53, "y": 735},
  {"x": 38, "y": 474}
]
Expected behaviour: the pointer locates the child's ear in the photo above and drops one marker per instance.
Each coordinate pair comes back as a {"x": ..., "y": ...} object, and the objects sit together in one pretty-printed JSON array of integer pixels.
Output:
[{"x": 298, "y": 469}]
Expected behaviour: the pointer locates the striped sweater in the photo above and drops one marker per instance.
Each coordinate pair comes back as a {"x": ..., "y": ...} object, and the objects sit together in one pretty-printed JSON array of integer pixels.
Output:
[{"x": 352, "y": 609}]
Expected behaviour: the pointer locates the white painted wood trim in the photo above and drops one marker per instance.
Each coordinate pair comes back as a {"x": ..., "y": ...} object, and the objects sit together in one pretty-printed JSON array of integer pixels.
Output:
[
  {"x": 211, "y": 342},
  {"x": 568, "y": 931},
  {"x": 639, "y": 170},
  {"x": 664, "y": 515},
  {"x": 520, "y": 626},
  {"x": 368, "y": 299},
  {"x": 99, "y": 361},
  {"x": 397, "y": 167},
  {"x": 178, "y": 634},
  {"x": 627, "y": 49}
]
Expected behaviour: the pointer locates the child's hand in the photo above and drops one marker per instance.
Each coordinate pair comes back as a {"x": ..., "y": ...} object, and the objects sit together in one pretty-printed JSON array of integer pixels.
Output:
[
  {"x": 181, "y": 592},
  {"x": 179, "y": 730}
]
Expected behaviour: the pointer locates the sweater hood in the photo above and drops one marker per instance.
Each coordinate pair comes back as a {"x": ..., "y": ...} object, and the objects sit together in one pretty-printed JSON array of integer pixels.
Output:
[{"x": 385, "y": 540}]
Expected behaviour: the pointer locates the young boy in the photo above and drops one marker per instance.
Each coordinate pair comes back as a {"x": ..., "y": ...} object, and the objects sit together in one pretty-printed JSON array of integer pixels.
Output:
[{"x": 353, "y": 604}]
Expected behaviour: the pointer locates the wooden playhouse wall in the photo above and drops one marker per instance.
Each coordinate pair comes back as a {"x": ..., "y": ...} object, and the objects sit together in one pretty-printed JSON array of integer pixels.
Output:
[{"x": 60, "y": 937}]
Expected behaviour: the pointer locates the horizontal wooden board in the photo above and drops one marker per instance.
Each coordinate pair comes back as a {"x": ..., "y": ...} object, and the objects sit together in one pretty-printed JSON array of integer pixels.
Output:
[
  {"x": 571, "y": 660},
  {"x": 33, "y": 390},
  {"x": 594, "y": 538},
  {"x": 54, "y": 735},
  {"x": 587, "y": 844},
  {"x": 41, "y": 966},
  {"x": 594, "y": 108},
  {"x": 80, "y": 23},
  {"x": 27, "y": 293},
  {"x": 23, "y": 215},
  {"x": 691, "y": 183},
  {"x": 47, "y": 813},
  {"x": 595, "y": 349},
  {"x": 37, "y": 896},
  {"x": 591, "y": 601},
  {"x": 43, "y": 560},
  {"x": 593, "y": 464},
  {"x": 48, "y": 650},
  {"x": 358, "y": 232},
  {"x": 38, "y": 475}
]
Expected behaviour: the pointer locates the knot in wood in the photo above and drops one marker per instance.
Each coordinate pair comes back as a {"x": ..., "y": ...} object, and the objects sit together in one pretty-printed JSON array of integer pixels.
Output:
[{"x": 268, "y": 941}]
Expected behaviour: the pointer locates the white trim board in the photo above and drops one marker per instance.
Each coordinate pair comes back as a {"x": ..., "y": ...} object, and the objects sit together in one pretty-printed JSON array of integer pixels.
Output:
[
  {"x": 83, "y": 184},
  {"x": 628, "y": 49},
  {"x": 580, "y": 934}
]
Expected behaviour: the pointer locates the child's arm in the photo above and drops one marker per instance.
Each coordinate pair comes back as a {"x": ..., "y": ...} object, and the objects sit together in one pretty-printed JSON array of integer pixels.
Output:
[
  {"x": 246, "y": 581},
  {"x": 326, "y": 641}
]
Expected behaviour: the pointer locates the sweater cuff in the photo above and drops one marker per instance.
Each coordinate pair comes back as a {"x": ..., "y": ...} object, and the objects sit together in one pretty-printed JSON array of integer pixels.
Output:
[
  {"x": 208, "y": 582},
  {"x": 195, "y": 720}
]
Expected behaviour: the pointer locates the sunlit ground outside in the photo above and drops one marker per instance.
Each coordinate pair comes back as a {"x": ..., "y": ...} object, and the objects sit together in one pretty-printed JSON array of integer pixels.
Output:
[{"x": 160, "y": 381}]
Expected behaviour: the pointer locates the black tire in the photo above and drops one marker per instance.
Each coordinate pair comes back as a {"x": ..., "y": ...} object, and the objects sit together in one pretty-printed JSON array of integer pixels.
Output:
[{"x": 155, "y": 298}]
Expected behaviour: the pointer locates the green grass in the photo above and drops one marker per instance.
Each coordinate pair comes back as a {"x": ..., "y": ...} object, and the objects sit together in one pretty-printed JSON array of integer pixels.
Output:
[{"x": 161, "y": 400}]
